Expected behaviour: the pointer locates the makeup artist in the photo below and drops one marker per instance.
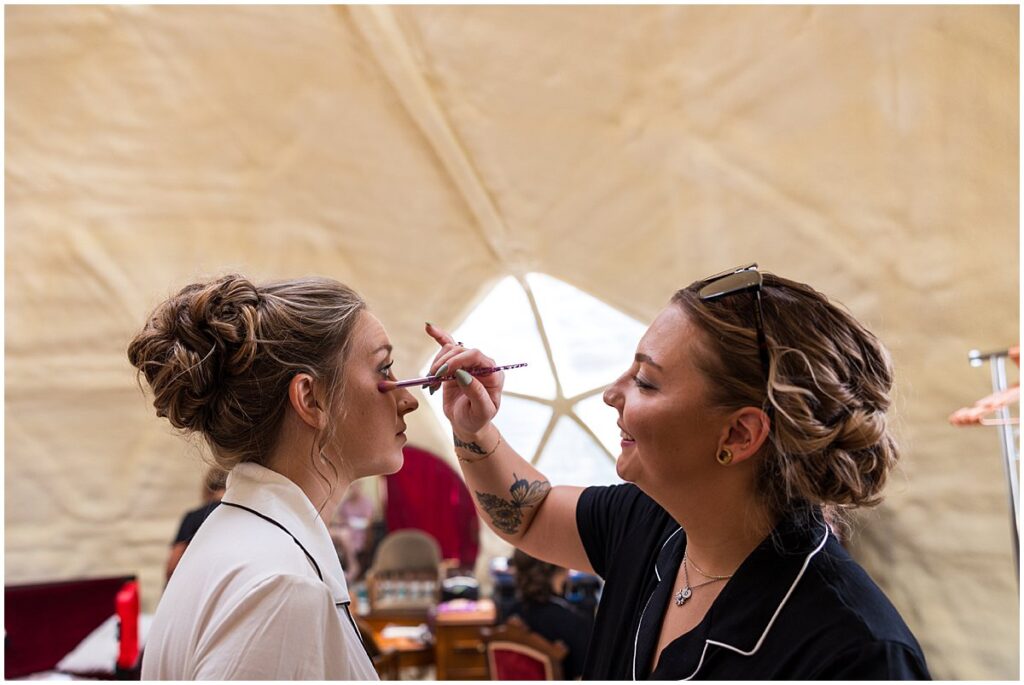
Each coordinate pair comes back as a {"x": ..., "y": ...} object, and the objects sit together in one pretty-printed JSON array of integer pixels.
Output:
[{"x": 753, "y": 416}]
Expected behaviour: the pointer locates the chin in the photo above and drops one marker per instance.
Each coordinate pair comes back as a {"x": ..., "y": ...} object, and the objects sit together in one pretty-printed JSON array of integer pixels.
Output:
[
  {"x": 625, "y": 468},
  {"x": 622, "y": 468},
  {"x": 393, "y": 464}
]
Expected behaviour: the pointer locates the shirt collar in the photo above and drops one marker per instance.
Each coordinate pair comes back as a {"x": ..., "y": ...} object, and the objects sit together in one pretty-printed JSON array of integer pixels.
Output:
[
  {"x": 279, "y": 499},
  {"x": 653, "y": 615},
  {"x": 770, "y": 573}
]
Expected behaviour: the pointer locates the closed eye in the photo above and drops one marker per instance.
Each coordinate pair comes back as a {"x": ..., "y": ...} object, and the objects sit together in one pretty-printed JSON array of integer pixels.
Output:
[{"x": 641, "y": 383}]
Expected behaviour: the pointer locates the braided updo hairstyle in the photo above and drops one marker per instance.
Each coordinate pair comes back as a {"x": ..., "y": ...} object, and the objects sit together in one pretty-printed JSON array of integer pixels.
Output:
[
  {"x": 827, "y": 393},
  {"x": 219, "y": 357}
]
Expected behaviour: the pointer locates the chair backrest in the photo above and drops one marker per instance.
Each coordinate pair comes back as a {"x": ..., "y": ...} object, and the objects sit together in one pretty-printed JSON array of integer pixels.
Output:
[
  {"x": 407, "y": 550},
  {"x": 516, "y": 653},
  {"x": 405, "y": 574}
]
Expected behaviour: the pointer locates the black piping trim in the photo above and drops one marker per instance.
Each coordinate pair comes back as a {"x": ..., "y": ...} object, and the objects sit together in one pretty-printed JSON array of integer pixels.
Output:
[
  {"x": 270, "y": 520},
  {"x": 355, "y": 627},
  {"x": 316, "y": 567}
]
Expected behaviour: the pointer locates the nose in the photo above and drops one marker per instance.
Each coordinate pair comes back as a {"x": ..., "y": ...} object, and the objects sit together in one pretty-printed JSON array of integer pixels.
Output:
[
  {"x": 612, "y": 395},
  {"x": 406, "y": 402}
]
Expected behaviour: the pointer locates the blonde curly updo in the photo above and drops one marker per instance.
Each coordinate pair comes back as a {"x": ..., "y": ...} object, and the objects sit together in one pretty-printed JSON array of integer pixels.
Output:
[
  {"x": 827, "y": 393},
  {"x": 219, "y": 356}
]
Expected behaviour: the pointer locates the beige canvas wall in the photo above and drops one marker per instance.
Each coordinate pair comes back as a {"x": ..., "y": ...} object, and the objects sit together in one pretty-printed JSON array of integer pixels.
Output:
[{"x": 421, "y": 153}]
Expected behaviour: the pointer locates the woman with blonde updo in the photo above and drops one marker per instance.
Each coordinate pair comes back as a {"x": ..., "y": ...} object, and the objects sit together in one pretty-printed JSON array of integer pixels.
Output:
[
  {"x": 281, "y": 381},
  {"x": 753, "y": 415}
]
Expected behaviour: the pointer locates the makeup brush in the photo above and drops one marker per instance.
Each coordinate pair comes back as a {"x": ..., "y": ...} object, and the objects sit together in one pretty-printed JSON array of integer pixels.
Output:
[{"x": 387, "y": 386}]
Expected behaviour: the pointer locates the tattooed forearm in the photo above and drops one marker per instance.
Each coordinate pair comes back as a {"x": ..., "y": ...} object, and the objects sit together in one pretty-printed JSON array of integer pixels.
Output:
[
  {"x": 468, "y": 446},
  {"x": 507, "y": 515}
]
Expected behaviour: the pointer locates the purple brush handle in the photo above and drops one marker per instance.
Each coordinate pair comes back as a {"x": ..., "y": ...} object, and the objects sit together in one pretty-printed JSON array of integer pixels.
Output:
[{"x": 431, "y": 380}]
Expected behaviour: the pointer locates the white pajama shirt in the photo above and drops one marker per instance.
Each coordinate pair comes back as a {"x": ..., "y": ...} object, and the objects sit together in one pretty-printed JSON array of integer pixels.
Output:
[{"x": 247, "y": 601}]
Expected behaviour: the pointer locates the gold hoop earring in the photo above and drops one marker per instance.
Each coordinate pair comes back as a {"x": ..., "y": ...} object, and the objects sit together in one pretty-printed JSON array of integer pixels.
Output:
[{"x": 724, "y": 457}]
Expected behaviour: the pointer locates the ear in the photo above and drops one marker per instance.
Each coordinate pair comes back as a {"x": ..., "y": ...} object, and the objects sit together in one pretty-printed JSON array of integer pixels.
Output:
[
  {"x": 304, "y": 402},
  {"x": 744, "y": 433}
]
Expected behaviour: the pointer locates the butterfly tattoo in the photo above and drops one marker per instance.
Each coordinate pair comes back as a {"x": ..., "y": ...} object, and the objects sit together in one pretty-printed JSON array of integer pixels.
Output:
[{"x": 507, "y": 515}]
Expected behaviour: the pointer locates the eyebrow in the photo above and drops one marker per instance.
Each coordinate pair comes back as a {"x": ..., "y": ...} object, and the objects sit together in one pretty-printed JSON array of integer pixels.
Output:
[{"x": 647, "y": 360}]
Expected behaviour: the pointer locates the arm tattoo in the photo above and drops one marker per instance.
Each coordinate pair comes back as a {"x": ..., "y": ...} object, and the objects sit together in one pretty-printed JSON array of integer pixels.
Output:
[
  {"x": 507, "y": 515},
  {"x": 468, "y": 446}
]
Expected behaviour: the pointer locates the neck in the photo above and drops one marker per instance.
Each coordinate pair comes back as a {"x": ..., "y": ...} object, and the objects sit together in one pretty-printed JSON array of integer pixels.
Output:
[
  {"x": 297, "y": 465},
  {"x": 724, "y": 522}
]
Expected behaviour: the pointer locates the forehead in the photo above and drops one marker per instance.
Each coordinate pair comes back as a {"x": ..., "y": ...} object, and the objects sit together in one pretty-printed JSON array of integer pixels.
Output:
[
  {"x": 671, "y": 339},
  {"x": 368, "y": 334}
]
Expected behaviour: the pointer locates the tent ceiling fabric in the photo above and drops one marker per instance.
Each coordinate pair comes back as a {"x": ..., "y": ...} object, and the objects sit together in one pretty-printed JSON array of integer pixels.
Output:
[{"x": 421, "y": 153}]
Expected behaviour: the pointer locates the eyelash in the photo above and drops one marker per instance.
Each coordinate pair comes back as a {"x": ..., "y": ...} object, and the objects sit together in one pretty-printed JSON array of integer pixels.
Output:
[
  {"x": 642, "y": 384},
  {"x": 386, "y": 370}
]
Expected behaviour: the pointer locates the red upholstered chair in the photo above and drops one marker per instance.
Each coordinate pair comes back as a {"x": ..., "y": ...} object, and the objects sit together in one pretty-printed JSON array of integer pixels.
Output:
[{"x": 516, "y": 653}]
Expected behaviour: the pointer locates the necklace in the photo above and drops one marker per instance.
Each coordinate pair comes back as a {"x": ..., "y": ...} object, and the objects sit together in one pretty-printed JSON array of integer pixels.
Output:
[
  {"x": 705, "y": 573},
  {"x": 686, "y": 591}
]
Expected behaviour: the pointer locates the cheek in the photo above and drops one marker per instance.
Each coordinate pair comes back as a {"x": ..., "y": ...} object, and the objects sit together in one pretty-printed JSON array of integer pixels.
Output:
[
  {"x": 645, "y": 418},
  {"x": 379, "y": 415},
  {"x": 663, "y": 425},
  {"x": 363, "y": 414}
]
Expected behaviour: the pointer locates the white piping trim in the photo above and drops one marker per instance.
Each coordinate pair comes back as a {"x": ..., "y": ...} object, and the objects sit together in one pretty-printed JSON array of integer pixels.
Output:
[
  {"x": 757, "y": 646},
  {"x": 636, "y": 639},
  {"x": 662, "y": 549}
]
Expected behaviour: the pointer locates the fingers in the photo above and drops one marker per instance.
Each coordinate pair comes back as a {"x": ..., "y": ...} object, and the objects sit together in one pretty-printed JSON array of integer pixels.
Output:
[
  {"x": 454, "y": 356},
  {"x": 478, "y": 396},
  {"x": 439, "y": 335},
  {"x": 440, "y": 364},
  {"x": 444, "y": 356},
  {"x": 461, "y": 358},
  {"x": 452, "y": 359},
  {"x": 448, "y": 347}
]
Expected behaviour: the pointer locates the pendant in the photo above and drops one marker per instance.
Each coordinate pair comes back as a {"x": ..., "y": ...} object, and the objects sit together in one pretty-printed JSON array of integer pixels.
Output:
[{"x": 683, "y": 595}]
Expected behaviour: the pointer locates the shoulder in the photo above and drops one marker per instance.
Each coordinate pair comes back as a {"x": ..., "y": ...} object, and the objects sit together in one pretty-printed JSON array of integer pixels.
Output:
[
  {"x": 622, "y": 492},
  {"x": 280, "y": 628},
  {"x": 875, "y": 660},
  {"x": 297, "y": 594},
  {"x": 626, "y": 502},
  {"x": 293, "y": 602},
  {"x": 863, "y": 618},
  {"x": 622, "y": 529},
  {"x": 234, "y": 546}
]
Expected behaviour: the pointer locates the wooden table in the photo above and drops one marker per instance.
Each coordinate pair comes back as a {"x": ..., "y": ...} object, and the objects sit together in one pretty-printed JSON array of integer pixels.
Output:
[
  {"x": 459, "y": 649},
  {"x": 403, "y": 617},
  {"x": 410, "y": 652}
]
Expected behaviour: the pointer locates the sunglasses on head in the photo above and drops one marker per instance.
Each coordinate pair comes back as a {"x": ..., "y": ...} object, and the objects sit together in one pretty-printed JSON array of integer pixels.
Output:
[{"x": 742, "y": 279}]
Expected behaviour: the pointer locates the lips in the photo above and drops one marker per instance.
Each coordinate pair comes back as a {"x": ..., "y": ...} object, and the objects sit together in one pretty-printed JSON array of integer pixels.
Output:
[{"x": 626, "y": 437}]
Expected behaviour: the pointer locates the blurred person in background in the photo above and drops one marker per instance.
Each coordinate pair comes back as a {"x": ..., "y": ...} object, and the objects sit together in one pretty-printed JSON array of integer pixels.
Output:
[
  {"x": 540, "y": 587},
  {"x": 350, "y": 529},
  {"x": 213, "y": 489}
]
